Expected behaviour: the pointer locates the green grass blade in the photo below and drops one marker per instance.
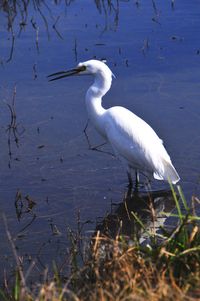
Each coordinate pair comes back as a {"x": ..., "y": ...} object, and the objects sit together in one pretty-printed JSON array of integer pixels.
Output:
[
  {"x": 191, "y": 250},
  {"x": 17, "y": 287},
  {"x": 3, "y": 296},
  {"x": 182, "y": 198},
  {"x": 140, "y": 223},
  {"x": 176, "y": 201},
  {"x": 189, "y": 217}
]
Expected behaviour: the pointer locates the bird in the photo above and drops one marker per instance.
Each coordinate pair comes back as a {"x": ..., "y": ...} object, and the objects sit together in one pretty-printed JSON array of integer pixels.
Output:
[{"x": 132, "y": 139}]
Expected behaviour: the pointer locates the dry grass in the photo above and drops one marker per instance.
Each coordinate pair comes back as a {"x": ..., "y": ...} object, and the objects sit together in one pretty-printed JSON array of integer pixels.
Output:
[
  {"x": 129, "y": 273},
  {"x": 115, "y": 269},
  {"x": 124, "y": 273}
]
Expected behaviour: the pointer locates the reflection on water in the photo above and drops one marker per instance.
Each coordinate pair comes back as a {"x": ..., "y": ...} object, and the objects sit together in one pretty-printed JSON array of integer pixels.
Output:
[
  {"x": 19, "y": 16},
  {"x": 14, "y": 130},
  {"x": 47, "y": 172},
  {"x": 151, "y": 208}
]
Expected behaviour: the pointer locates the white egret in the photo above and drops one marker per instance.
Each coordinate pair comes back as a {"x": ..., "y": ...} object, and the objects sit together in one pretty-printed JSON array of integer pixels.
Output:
[{"x": 133, "y": 141}]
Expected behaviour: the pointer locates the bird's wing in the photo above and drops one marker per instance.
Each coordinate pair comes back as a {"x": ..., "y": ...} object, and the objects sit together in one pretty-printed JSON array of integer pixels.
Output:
[{"x": 134, "y": 140}]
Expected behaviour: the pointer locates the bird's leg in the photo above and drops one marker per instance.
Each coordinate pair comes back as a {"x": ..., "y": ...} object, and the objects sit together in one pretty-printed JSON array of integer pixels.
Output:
[
  {"x": 95, "y": 148},
  {"x": 130, "y": 185},
  {"x": 148, "y": 183},
  {"x": 86, "y": 135},
  {"x": 85, "y": 128},
  {"x": 88, "y": 140},
  {"x": 130, "y": 181},
  {"x": 137, "y": 180}
]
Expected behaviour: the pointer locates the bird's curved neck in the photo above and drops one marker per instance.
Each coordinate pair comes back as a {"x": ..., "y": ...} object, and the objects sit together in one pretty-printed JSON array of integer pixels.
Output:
[
  {"x": 98, "y": 89},
  {"x": 101, "y": 85}
]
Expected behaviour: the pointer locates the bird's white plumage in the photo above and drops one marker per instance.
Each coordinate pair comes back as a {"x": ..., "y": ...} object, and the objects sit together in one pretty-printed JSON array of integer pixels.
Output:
[
  {"x": 132, "y": 139},
  {"x": 127, "y": 139}
]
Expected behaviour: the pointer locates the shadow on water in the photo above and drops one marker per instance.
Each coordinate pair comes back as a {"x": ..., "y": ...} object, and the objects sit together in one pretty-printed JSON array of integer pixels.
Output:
[
  {"x": 151, "y": 209},
  {"x": 139, "y": 213}
]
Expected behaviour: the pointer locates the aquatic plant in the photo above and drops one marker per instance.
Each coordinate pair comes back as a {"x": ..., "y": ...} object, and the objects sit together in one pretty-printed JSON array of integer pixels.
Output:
[{"x": 124, "y": 269}]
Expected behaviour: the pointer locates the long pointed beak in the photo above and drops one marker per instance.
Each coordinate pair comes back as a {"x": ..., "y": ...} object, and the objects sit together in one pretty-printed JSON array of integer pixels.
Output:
[{"x": 62, "y": 74}]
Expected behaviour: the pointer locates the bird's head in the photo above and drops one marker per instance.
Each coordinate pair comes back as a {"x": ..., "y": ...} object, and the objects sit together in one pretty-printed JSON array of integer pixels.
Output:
[{"x": 91, "y": 67}]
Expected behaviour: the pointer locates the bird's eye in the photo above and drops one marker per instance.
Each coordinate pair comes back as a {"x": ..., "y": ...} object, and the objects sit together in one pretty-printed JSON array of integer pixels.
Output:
[{"x": 82, "y": 68}]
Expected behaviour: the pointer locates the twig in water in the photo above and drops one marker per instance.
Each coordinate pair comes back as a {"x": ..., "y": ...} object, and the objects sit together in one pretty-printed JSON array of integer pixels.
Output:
[
  {"x": 34, "y": 72},
  {"x": 172, "y": 3},
  {"x": 75, "y": 50},
  {"x": 36, "y": 28},
  {"x": 12, "y": 47},
  {"x": 56, "y": 30},
  {"x": 12, "y": 128},
  {"x": 45, "y": 21},
  {"x": 154, "y": 7},
  {"x": 145, "y": 46},
  {"x": 24, "y": 205}
]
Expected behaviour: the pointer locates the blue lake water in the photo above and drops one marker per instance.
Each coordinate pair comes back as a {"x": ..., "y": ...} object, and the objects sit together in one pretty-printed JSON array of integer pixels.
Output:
[{"x": 154, "y": 52}]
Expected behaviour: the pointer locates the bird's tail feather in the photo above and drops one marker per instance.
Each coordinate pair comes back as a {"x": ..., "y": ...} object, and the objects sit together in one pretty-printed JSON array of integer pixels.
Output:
[{"x": 169, "y": 174}]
